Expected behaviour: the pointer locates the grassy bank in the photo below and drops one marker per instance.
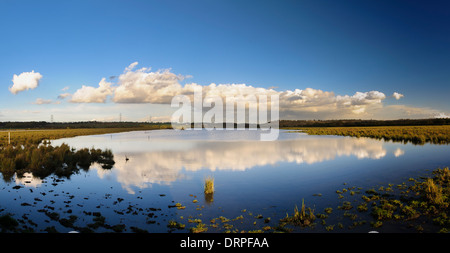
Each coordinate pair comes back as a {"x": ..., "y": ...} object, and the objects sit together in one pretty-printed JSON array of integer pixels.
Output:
[
  {"x": 413, "y": 134},
  {"x": 36, "y": 136}
]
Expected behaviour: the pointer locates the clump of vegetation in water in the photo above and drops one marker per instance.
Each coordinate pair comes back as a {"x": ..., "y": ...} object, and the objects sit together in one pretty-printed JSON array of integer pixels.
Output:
[
  {"x": 429, "y": 199},
  {"x": 7, "y": 223},
  {"x": 174, "y": 224},
  {"x": 362, "y": 207},
  {"x": 44, "y": 160},
  {"x": 179, "y": 206},
  {"x": 346, "y": 206},
  {"x": 303, "y": 217},
  {"x": 200, "y": 228},
  {"x": 209, "y": 185}
]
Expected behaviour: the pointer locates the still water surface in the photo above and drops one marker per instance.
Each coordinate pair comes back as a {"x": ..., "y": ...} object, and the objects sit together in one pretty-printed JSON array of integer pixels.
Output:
[{"x": 252, "y": 178}]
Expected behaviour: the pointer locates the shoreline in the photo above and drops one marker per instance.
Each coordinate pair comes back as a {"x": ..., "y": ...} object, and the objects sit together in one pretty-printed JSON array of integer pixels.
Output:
[{"x": 417, "y": 135}]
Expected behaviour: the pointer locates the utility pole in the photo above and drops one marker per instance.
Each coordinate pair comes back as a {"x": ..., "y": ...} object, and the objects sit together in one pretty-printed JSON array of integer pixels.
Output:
[
  {"x": 9, "y": 138},
  {"x": 120, "y": 117}
]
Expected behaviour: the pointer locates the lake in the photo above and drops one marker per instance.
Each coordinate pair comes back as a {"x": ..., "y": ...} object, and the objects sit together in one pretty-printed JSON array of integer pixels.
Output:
[{"x": 256, "y": 183}]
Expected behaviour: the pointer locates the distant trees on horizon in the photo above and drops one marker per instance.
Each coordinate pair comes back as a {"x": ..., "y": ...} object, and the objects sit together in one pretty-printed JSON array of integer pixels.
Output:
[
  {"x": 282, "y": 123},
  {"x": 361, "y": 123},
  {"x": 81, "y": 124}
]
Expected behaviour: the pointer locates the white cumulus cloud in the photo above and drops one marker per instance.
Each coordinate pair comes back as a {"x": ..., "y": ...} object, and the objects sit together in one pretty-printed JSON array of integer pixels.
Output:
[
  {"x": 314, "y": 103},
  {"x": 135, "y": 86},
  {"x": 25, "y": 81},
  {"x": 88, "y": 94},
  {"x": 144, "y": 86},
  {"x": 397, "y": 95}
]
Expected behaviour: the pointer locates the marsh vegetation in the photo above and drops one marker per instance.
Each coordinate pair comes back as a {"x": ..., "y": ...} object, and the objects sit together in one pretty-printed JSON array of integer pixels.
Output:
[
  {"x": 209, "y": 185},
  {"x": 418, "y": 205},
  {"x": 405, "y": 134},
  {"x": 22, "y": 137},
  {"x": 45, "y": 160},
  {"x": 30, "y": 151}
]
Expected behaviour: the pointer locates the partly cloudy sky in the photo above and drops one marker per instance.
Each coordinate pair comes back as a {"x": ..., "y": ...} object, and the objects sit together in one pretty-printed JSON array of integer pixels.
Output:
[{"x": 324, "y": 59}]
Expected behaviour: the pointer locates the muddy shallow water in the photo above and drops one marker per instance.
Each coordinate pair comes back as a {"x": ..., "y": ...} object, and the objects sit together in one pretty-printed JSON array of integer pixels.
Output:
[{"x": 256, "y": 183}]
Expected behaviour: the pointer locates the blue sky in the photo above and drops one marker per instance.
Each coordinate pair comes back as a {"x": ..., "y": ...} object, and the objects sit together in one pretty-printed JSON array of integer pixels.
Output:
[{"x": 343, "y": 47}]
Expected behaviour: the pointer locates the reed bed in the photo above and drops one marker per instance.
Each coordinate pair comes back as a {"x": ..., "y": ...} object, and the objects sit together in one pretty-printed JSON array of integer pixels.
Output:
[
  {"x": 414, "y": 134},
  {"x": 209, "y": 185},
  {"x": 25, "y": 137}
]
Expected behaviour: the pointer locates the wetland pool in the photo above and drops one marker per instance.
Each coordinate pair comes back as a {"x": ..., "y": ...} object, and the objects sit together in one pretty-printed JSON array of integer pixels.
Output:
[{"x": 256, "y": 182}]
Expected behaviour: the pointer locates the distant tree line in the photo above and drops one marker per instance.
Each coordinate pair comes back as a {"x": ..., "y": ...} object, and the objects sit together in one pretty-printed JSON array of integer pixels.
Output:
[
  {"x": 361, "y": 123},
  {"x": 282, "y": 124},
  {"x": 74, "y": 125},
  {"x": 344, "y": 123}
]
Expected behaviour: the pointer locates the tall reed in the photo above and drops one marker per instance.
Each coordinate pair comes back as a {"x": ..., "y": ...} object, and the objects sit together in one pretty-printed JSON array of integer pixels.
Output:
[{"x": 209, "y": 185}]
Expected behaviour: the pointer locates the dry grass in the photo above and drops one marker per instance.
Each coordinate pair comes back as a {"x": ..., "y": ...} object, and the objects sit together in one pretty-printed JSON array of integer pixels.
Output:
[
  {"x": 413, "y": 134},
  {"x": 33, "y": 137}
]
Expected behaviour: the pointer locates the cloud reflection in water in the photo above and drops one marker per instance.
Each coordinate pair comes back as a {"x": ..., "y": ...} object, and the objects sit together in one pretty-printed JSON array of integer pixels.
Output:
[{"x": 165, "y": 166}]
